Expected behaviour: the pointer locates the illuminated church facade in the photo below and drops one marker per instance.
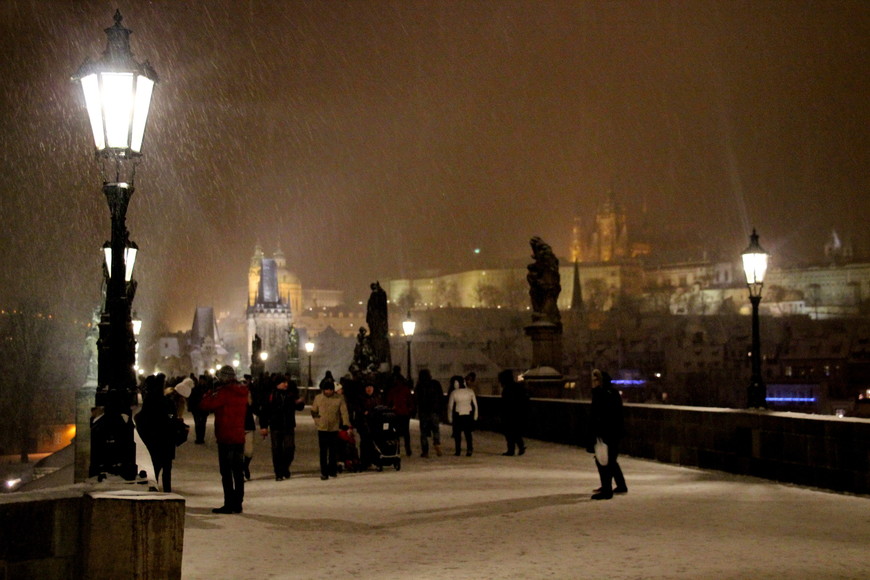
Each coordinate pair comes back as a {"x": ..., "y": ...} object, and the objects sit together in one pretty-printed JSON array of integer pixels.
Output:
[
  {"x": 274, "y": 294},
  {"x": 278, "y": 304}
]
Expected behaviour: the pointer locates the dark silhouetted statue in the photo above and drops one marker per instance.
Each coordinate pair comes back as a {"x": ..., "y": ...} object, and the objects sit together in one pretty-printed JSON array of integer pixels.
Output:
[
  {"x": 376, "y": 318},
  {"x": 544, "y": 283},
  {"x": 292, "y": 342},
  {"x": 256, "y": 347},
  {"x": 363, "y": 359}
]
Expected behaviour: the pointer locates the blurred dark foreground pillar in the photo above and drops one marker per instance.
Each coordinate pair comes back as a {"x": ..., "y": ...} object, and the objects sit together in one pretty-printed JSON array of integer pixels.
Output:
[{"x": 73, "y": 532}]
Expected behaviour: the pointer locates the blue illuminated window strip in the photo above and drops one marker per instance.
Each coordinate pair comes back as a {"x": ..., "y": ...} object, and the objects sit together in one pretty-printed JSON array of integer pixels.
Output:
[
  {"x": 629, "y": 382},
  {"x": 791, "y": 399}
]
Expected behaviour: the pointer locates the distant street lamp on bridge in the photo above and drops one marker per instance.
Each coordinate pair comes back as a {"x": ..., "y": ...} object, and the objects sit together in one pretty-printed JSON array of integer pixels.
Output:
[
  {"x": 309, "y": 348},
  {"x": 117, "y": 91},
  {"x": 408, "y": 326},
  {"x": 755, "y": 267}
]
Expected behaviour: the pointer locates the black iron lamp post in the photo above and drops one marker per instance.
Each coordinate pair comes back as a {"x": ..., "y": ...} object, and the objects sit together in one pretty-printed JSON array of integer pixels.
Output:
[
  {"x": 117, "y": 92},
  {"x": 408, "y": 326},
  {"x": 309, "y": 348},
  {"x": 755, "y": 267}
]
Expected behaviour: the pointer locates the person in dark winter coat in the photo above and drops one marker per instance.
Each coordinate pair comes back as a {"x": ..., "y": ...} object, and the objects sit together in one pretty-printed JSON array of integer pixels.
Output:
[
  {"x": 401, "y": 400},
  {"x": 250, "y": 428},
  {"x": 229, "y": 401},
  {"x": 155, "y": 424},
  {"x": 429, "y": 403},
  {"x": 278, "y": 419},
  {"x": 514, "y": 406},
  {"x": 362, "y": 418},
  {"x": 326, "y": 380},
  {"x": 607, "y": 430},
  {"x": 200, "y": 417}
]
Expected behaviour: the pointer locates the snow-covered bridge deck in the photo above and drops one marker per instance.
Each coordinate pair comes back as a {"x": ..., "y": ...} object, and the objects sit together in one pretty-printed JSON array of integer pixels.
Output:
[{"x": 490, "y": 516}]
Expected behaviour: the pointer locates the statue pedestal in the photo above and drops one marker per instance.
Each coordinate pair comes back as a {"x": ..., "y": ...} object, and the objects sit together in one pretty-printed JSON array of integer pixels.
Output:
[
  {"x": 545, "y": 379},
  {"x": 546, "y": 344},
  {"x": 544, "y": 383}
]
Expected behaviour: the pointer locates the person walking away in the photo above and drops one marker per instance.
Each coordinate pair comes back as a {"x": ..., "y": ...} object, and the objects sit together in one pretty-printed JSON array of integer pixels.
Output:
[
  {"x": 250, "y": 428},
  {"x": 462, "y": 411},
  {"x": 200, "y": 417},
  {"x": 278, "y": 420},
  {"x": 471, "y": 381},
  {"x": 155, "y": 424},
  {"x": 430, "y": 401},
  {"x": 514, "y": 406},
  {"x": 607, "y": 431},
  {"x": 229, "y": 402},
  {"x": 330, "y": 415},
  {"x": 327, "y": 378},
  {"x": 401, "y": 400}
]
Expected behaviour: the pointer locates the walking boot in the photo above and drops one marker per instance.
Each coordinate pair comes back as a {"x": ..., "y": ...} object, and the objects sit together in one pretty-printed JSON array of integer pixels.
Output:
[{"x": 248, "y": 468}]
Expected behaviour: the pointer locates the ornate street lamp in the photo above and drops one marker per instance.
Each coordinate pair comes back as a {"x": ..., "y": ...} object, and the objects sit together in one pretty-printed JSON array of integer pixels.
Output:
[
  {"x": 755, "y": 267},
  {"x": 130, "y": 252},
  {"x": 264, "y": 356},
  {"x": 408, "y": 326},
  {"x": 309, "y": 348},
  {"x": 117, "y": 91}
]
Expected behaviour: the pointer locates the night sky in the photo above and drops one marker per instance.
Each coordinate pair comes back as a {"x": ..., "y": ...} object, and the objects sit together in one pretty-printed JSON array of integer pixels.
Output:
[{"x": 377, "y": 139}]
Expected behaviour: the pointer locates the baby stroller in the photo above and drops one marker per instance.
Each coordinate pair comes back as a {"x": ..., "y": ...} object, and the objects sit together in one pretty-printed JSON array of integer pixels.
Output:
[
  {"x": 348, "y": 457},
  {"x": 385, "y": 439}
]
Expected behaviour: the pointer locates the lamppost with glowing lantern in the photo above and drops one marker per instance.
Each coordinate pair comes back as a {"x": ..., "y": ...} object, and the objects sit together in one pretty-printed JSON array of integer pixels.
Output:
[
  {"x": 264, "y": 356},
  {"x": 408, "y": 326},
  {"x": 309, "y": 348},
  {"x": 755, "y": 267},
  {"x": 117, "y": 91}
]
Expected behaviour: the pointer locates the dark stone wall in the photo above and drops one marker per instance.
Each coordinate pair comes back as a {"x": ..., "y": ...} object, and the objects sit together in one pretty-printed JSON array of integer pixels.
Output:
[{"x": 813, "y": 450}]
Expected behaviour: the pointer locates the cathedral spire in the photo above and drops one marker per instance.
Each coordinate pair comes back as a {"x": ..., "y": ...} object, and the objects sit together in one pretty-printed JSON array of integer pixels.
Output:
[
  {"x": 577, "y": 292},
  {"x": 576, "y": 246}
]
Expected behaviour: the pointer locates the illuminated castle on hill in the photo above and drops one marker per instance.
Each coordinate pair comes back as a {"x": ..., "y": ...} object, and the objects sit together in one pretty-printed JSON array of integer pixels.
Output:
[{"x": 607, "y": 267}]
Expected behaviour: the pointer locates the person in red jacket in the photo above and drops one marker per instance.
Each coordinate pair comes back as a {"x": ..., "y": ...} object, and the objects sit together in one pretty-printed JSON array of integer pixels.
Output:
[{"x": 229, "y": 402}]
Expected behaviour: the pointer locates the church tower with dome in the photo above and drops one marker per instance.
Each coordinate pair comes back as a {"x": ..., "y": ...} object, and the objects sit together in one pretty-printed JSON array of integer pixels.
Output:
[
  {"x": 254, "y": 274},
  {"x": 289, "y": 286},
  {"x": 274, "y": 295}
]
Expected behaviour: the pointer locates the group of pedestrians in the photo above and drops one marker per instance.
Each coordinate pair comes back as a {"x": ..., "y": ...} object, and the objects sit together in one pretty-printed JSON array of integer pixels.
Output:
[{"x": 276, "y": 399}]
